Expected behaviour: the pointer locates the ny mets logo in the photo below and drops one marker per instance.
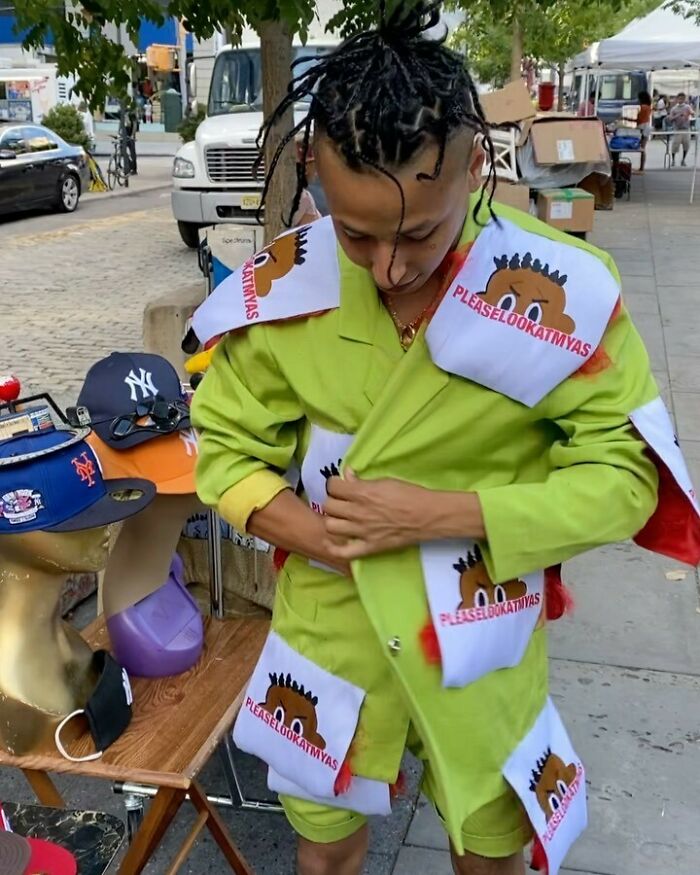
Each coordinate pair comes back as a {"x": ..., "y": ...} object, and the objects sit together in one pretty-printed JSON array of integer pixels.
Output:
[{"x": 84, "y": 468}]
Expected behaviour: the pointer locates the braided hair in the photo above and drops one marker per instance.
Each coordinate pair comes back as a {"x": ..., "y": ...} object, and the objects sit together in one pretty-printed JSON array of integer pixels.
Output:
[{"x": 380, "y": 97}]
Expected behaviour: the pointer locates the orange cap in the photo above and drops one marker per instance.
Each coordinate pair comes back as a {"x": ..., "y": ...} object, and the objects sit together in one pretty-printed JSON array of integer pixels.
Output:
[{"x": 168, "y": 461}]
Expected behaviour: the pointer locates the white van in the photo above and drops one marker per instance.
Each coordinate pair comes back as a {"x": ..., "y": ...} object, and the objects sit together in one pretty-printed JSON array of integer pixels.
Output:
[{"x": 213, "y": 178}]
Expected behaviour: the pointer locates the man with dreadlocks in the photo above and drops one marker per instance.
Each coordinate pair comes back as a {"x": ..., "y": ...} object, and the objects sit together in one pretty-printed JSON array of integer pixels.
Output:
[{"x": 474, "y": 379}]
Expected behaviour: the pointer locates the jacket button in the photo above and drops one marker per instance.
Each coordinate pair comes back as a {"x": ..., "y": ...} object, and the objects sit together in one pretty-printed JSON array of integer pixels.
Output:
[{"x": 394, "y": 645}]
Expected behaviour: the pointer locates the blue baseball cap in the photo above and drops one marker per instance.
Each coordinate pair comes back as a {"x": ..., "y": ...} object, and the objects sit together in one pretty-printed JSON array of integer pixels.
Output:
[
  {"x": 115, "y": 385},
  {"x": 52, "y": 481}
]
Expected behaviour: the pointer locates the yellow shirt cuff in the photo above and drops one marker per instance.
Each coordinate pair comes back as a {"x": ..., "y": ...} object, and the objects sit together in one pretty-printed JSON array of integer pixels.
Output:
[{"x": 252, "y": 493}]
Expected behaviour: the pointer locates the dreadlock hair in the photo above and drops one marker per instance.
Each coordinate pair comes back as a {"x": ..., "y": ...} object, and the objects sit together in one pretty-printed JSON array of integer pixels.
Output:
[{"x": 380, "y": 97}]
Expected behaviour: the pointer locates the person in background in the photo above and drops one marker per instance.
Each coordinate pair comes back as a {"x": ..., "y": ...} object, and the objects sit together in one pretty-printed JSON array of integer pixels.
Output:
[
  {"x": 679, "y": 117},
  {"x": 131, "y": 126},
  {"x": 644, "y": 125},
  {"x": 88, "y": 123},
  {"x": 660, "y": 111},
  {"x": 587, "y": 107}
]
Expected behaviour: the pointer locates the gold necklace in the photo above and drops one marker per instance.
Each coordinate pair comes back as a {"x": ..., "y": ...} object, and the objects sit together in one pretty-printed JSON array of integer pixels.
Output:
[{"x": 409, "y": 330}]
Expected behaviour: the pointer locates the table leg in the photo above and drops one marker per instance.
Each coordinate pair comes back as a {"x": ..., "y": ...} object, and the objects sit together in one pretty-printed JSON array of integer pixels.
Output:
[
  {"x": 158, "y": 818},
  {"x": 44, "y": 788},
  {"x": 218, "y": 830}
]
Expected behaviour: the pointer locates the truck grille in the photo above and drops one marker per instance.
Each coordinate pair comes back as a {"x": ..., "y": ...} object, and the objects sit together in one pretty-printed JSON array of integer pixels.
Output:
[{"x": 225, "y": 164}]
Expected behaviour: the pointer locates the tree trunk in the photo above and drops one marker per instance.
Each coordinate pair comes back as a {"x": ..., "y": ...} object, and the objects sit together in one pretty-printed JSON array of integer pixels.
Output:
[
  {"x": 276, "y": 56},
  {"x": 516, "y": 56},
  {"x": 561, "y": 71}
]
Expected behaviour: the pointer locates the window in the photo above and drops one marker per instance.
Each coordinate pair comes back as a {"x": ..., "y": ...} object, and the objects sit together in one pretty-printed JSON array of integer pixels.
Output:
[
  {"x": 14, "y": 141},
  {"x": 39, "y": 140}
]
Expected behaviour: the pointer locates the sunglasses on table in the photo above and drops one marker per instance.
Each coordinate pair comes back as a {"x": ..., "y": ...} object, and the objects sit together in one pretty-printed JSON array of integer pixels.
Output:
[{"x": 162, "y": 417}]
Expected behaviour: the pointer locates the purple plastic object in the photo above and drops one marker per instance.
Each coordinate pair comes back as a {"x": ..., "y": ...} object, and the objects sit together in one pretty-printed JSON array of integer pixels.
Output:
[{"x": 162, "y": 634}]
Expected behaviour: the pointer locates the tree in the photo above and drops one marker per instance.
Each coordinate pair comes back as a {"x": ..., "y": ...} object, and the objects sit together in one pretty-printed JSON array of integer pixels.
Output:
[
  {"x": 67, "y": 122},
  {"x": 496, "y": 35},
  {"x": 84, "y": 49}
]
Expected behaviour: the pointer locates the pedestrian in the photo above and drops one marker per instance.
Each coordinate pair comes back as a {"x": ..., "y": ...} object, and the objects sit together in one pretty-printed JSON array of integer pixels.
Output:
[
  {"x": 644, "y": 125},
  {"x": 587, "y": 107},
  {"x": 404, "y": 353},
  {"x": 660, "y": 111},
  {"x": 131, "y": 126},
  {"x": 679, "y": 118}
]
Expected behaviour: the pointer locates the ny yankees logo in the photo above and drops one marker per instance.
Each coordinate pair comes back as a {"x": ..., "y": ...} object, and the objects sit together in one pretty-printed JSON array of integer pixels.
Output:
[
  {"x": 189, "y": 439},
  {"x": 84, "y": 468},
  {"x": 144, "y": 382}
]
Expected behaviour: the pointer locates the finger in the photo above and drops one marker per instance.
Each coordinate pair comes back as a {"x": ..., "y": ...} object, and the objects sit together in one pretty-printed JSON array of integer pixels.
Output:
[
  {"x": 341, "y": 509},
  {"x": 339, "y": 488},
  {"x": 355, "y": 549},
  {"x": 343, "y": 528},
  {"x": 349, "y": 474}
]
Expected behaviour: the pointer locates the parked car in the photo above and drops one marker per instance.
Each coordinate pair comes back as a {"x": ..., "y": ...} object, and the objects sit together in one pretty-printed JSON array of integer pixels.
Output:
[{"x": 38, "y": 168}]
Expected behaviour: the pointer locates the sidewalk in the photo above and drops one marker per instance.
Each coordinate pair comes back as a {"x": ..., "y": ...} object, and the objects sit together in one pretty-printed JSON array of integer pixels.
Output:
[{"x": 154, "y": 173}]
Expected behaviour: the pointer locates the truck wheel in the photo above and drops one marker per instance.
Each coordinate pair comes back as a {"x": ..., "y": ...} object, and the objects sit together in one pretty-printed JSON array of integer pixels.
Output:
[{"x": 189, "y": 232}]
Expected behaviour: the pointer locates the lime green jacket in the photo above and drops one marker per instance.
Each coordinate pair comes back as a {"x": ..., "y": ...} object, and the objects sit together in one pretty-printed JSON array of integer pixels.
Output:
[{"x": 554, "y": 480}]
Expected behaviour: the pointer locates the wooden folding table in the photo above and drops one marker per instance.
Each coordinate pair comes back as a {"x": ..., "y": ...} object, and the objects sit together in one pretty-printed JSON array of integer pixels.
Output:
[{"x": 177, "y": 725}]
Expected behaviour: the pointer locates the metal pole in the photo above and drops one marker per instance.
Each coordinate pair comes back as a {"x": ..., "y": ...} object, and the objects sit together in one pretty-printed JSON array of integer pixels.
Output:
[
  {"x": 216, "y": 575},
  {"x": 126, "y": 162},
  {"x": 182, "y": 63}
]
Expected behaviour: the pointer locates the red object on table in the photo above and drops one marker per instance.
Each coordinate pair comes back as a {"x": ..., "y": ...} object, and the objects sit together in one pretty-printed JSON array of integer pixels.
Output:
[
  {"x": 50, "y": 859},
  {"x": 545, "y": 96},
  {"x": 9, "y": 387}
]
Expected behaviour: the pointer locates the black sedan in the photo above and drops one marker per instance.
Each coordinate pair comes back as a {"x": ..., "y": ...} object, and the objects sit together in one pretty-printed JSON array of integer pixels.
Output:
[{"x": 39, "y": 169}]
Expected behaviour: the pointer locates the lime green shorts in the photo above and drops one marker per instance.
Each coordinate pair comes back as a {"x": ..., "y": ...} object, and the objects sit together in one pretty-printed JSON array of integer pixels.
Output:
[{"x": 499, "y": 829}]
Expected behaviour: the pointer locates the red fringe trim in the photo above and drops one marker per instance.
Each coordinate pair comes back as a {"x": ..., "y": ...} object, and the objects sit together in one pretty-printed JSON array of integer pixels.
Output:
[
  {"x": 558, "y": 599},
  {"x": 429, "y": 644},
  {"x": 279, "y": 557},
  {"x": 398, "y": 788},
  {"x": 344, "y": 779},
  {"x": 539, "y": 858}
]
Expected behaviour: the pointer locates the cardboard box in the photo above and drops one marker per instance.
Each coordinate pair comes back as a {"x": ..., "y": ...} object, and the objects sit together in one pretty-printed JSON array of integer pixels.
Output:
[
  {"x": 509, "y": 104},
  {"x": 569, "y": 209},
  {"x": 569, "y": 141},
  {"x": 512, "y": 195}
]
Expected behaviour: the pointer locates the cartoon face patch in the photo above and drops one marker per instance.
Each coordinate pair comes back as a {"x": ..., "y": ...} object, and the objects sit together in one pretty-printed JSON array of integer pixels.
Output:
[
  {"x": 276, "y": 260},
  {"x": 528, "y": 287},
  {"x": 332, "y": 470},
  {"x": 293, "y": 707},
  {"x": 551, "y": 779},
  {"x": 303, "y": 736},
  {"x": 476, "y": 588}
]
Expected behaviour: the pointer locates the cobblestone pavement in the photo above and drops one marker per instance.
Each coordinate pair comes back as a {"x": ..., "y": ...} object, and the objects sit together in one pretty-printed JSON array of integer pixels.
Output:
[{"x": 75, "y": 294}]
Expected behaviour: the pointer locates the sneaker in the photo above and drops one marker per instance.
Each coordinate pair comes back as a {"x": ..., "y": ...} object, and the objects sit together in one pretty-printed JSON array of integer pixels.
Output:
[
  {"x": 673, "y": 161},
  {"x": 683, "y": 164}
]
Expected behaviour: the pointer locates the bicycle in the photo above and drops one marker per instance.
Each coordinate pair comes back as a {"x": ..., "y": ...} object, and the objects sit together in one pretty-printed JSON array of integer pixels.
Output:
[{"x": 119, "y": 167}]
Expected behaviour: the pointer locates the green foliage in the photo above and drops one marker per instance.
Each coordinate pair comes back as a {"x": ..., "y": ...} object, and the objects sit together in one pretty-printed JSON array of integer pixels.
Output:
[
  {"x": 102, "y": 66},
  {"x": 67, "y": 122},
  {"x": 188, "y": 126},
  {"x": 553, "y": 30}
]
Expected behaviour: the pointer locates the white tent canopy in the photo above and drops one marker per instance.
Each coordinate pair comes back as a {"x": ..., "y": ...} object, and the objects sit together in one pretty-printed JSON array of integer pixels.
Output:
[{"x": 660, "y": 40}]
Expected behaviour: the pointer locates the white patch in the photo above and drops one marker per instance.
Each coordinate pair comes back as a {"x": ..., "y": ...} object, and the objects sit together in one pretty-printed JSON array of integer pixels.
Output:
[
  {"x": 480, "y": 626},
  {"x": 143, "y": 383},
  {"x": 300, "y": 278},
  {"x": 550, "y": 780},
  {"x": 21, "y": 506},
  {"x": 525, "y": 338},
  {"x": 297, "y": 717},
  {"x": 654, "y": 424},
  {"x": 364, "y": 796},
  {"x": 323, "y": 460}
]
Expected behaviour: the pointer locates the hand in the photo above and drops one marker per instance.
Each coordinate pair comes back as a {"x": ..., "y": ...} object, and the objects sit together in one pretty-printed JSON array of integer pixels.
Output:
[{"x": 363, "y": 517}]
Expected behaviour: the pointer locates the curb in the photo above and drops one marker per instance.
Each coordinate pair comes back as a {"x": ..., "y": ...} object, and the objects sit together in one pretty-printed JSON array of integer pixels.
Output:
[{"x": 126, "y": 192}]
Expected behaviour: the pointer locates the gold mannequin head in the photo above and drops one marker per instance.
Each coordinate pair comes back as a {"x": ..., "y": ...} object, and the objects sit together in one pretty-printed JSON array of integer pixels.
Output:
[{"x": 56, "y": 552}]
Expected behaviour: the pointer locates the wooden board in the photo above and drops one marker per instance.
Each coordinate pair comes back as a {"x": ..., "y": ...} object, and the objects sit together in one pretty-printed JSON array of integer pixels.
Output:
[{"x": 178, "y": 721}]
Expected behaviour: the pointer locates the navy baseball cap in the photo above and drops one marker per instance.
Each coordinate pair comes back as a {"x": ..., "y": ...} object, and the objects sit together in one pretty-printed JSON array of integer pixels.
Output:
[
  {"x": 51, "y": 481},
  {"x": 115, "y": 385}
]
